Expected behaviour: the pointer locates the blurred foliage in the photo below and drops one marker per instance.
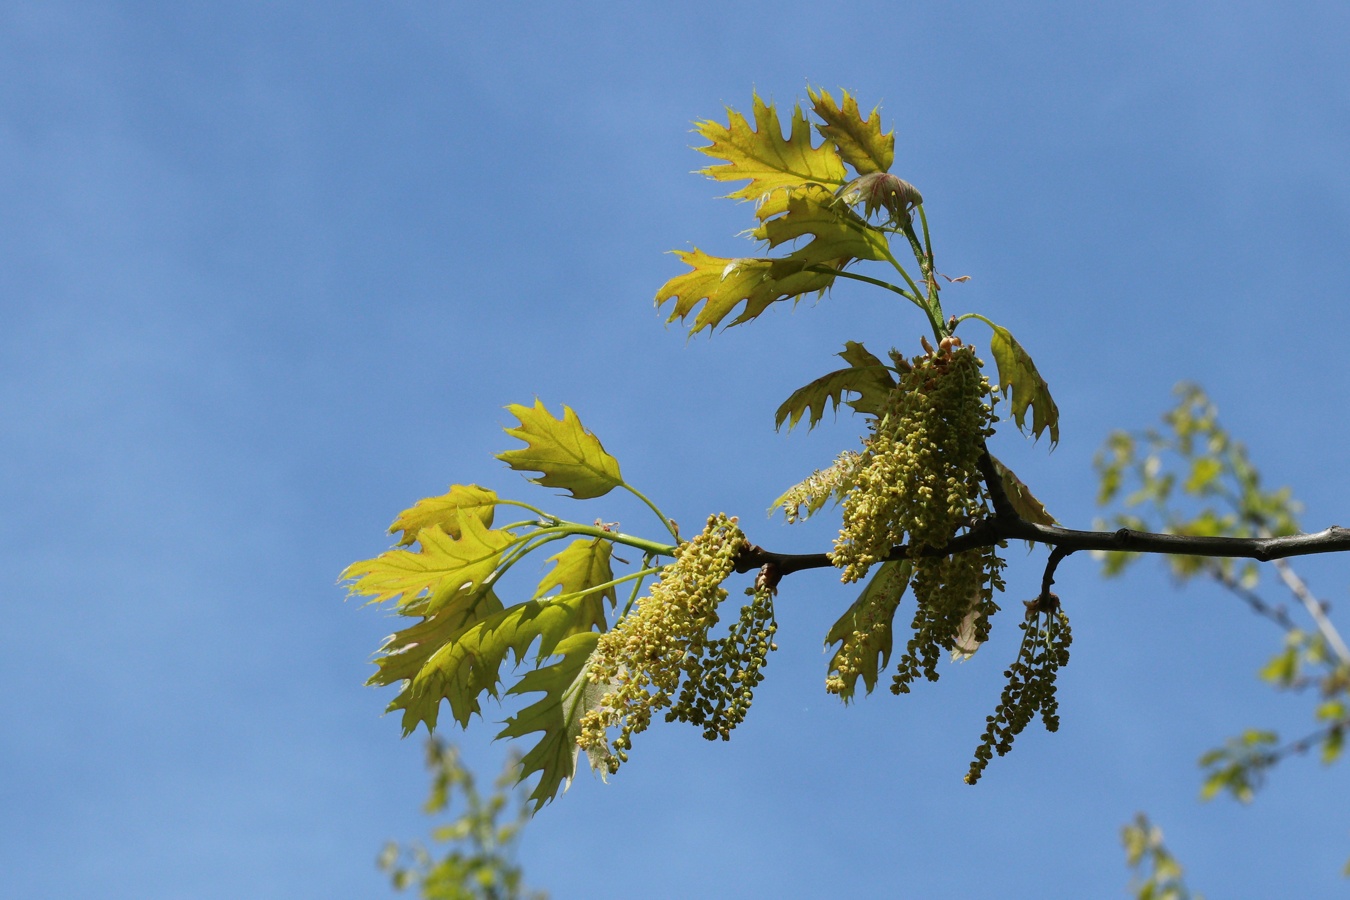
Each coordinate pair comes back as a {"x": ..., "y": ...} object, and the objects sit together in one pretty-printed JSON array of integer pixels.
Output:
[
  {"x": 1191, "y": 477},
  {"x": 1157, "y": 874},
  {"x": 479, "y": 862}
]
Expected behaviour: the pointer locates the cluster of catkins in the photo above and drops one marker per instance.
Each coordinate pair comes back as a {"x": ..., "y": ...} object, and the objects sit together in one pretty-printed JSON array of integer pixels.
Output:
[
  {"x": 1031, "y": 682},
  {"x": 641, "y": 662},
  {"x": 719, "y": 687},
  {"x": 917, "y": 482}
]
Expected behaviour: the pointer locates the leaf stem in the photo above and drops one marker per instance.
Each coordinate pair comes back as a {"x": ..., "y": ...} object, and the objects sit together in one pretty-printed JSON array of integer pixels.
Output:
[
  {"x": 654, "y": 508},
  {"x": 830, "y": 270},
  {"x": 534, "y": 509},
  {"x": 601, "y": 587}
]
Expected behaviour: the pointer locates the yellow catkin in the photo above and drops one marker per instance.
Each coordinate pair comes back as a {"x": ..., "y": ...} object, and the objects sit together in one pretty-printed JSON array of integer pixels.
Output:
[{"x": 643, "y": 658}]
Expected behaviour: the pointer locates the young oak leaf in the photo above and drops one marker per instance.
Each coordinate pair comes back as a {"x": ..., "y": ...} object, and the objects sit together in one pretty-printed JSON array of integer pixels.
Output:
[
  {"x": 442, "y": 511},
  {"x": 864, "y": 631},
  {"x": 405, "y": 653},
  {"x": 721, "y": 285},
  {"x": 584, "y": 565},
  {"x": 1019, "y": 379},
  {"x": 467, "y": 663},
  {"x": 436, "y": 573},
  {"x": 1024, "y": 503},
  {"x": 566, "y": 454},
  {"x": 860, "y": 142},
  {"x": 568, "y": 695},
  {"x": 866, "y": 376},
  {"x": 764, "y": 158},
  {"x": 838, "y": 231}
]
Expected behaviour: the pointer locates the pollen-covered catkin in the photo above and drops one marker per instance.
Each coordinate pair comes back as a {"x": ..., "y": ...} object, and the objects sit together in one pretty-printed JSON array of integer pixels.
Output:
[
  {"x": 808, "y": 496},
  {"x": 719, "y": 688},
  {"x": 918, "y": 476},
  {"x": 1031, "y": 682},
  {"x": 643, "y": 658}
]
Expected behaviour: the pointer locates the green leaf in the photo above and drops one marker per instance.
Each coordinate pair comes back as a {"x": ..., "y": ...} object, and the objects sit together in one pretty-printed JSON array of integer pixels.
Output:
[
  {"x": 568, "y": 695},
  {"x": 839, "y": 232},
  {"x": 1333, "y": 745},
  {"x": 764, "y": 158},
  {"x": 568, "y": 456},
  {"x": 467, "y": 662},
  {"x": 405, "y": 653},
  {"x": 582, "y": 566},
  {"x": 866, "y": 376},
  {"x": 726, "y": 283},
  {"x": 442, "y": 568},
  {"x": 1019, "y": 379},
  {"x": 1020, "y": 496},
  {"x": 442, "y": 511},
  {"x": 860, "y": 142},
  {"x": 871, "y": 615},
  {"x": 1283, "y": 668}
]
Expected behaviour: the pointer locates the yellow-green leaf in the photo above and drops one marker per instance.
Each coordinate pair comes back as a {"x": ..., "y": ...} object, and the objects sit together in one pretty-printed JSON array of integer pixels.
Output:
[
  {"x": 442, "y": 511},
  {"x": 1019, "y": 379},
  {"x": 871, "y": 616},
  {"x": 727, "y": 283},
  {"x": 1024, "y": 503},
  {"x": 567, "y": 455},
  {"x": 838, "y": 231},
  {"x": 866, "y": 376},
  {"x": 466, "y": 663},
  {"x": 443, "y": 567},
  {"x": 568, "y": 695},
  {"x": 405, "y": 653},
  {"x": 584, "y": 565},
  {"x": 764, "y": 158},
  {"x": 860, "y": 142}
]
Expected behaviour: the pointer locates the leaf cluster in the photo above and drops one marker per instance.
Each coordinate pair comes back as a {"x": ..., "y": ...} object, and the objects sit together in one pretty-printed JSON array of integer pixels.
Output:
[
  {"x": 1158, "y": 876},
  {"x": 478, "y": 860}
]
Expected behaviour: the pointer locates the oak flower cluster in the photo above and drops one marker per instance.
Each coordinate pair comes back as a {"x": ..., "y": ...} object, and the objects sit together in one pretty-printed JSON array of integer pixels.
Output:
[{"x": 641, "y": 661}]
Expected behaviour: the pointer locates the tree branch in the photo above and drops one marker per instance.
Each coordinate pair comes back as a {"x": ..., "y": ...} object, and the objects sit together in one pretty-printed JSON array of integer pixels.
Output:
[{"x": 987, "y": 532}]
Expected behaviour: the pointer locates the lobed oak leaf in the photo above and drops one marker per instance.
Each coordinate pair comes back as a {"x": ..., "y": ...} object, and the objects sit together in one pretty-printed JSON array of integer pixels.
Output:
[
  {"x": 838, "y": 231},
  {"x": 405, "y": 653},
  {"x": 764, "y": 158},
  {"x": 861, "y": 142},
  {"x": 1024, "y": 503},
  {"x": 565, "y": 453},
  {"x": 722, "y": 285},
  {"x": 582, "y": 566},
  {"x": 568, "y": 695},
  {"x": 867, "y": 376},
  {"x": 442, "y": 511},
  {"x": 467, "y": 663},
  {"x": 1018, "y": 376},
  {"x": 869, "y": 621},
  {"x": 442, "y": 568}
]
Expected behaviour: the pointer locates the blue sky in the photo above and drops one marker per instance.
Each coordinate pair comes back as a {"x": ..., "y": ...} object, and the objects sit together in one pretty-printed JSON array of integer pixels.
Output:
[{"x": 270, "y": 271}]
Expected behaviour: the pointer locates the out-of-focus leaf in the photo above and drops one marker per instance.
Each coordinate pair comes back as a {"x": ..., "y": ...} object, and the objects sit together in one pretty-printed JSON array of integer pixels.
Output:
[
  {"x": 764, "y": 158},
  {"x": 566, "y": 454},
  {"x": 1333, "y": 744},
  {"x": 867, "y": 376},
  {"x": 443, "y": 511},
  {"x": 1019, "y": 379},
  {"x": 568, "y": 695},
  {"x": 860, "y": 142}
]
